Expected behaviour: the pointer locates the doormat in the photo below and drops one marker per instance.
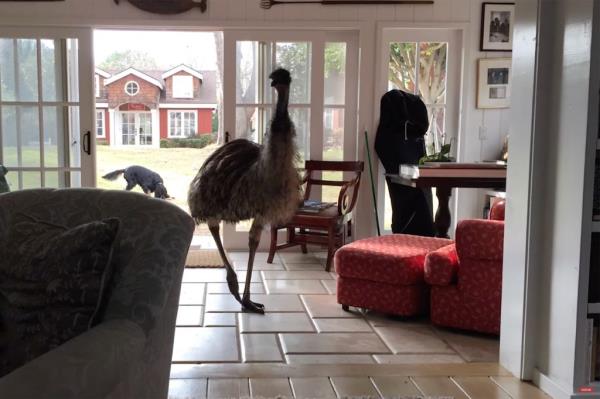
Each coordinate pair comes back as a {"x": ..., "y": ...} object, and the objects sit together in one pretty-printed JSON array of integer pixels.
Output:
[{"x": 204, "y": 258}]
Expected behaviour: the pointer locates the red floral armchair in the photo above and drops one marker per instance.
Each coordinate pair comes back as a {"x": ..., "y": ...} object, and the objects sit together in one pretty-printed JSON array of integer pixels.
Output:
[{"x": 466, "y": 277}]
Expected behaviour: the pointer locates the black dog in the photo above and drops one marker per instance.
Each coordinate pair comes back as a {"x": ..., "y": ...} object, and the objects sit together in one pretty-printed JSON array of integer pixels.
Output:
[{"x": 149, "y": 181}]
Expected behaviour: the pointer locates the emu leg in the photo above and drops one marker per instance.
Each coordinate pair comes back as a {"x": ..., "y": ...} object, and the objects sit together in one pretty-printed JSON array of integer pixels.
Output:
[
  {"x": 232, "y": 281},
  {"x": 253, "y": 240}
]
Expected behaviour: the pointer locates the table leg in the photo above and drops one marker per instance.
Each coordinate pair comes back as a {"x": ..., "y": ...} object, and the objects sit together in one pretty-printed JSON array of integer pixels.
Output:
[{"x": 442, "y": 215}]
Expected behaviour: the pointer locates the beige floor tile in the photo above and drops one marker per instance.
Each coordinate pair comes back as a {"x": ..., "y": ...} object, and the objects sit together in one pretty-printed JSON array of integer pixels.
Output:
[
  {"x": 395, "y": 386},
  {"x": 329, "y": 359},
  {"x": 205, "y": 344},
  {"x": 243, "y": 265},
  {"x": 295, "y": 287},
  {"x": 330, "y": 286},
  {"x": 189, "y": 316},
  {"x": 273, "y": 303},
  {"x": 481, "y": 388},
  {"x": 518, "y": 389},
  {"x": 298, "y": 257},
  {"x": 274, "y": 322},
  {"x": 473, "y": 348},
  {"x": 305, "y": 266},
  {"x": 222, "y": 288},
  {"x": 310, "y": 388},
  {"x": 352, "y": 387},
  {"x": 243, "y": 256},
  {"x": 439, "y": 386},
  {"x": 342, "y": 325},
  {"x": 192, "y": 294},
  {"x": 199, "y": 275},
  {"x": 412, "y": 340},
  {"x": 270, "y": 388},
  {"x": 228, "y": 388},
  {"x": 188, "y": 389},
  {"x": 180, "y": 370},
  {"x": 256, "y": 276},
  {"x": 219, "y": 319},
  {"x": 332, "y": 343},
  {"x": 418, "y": 359},
  {"x": 297, "y": 275},
  {"x": 260, "y": 348},
  {"x": 326, "y": 306}
]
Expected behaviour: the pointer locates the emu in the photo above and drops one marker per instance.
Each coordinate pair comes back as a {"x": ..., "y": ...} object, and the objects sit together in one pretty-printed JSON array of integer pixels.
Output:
[{"x": 243, "y": 180}]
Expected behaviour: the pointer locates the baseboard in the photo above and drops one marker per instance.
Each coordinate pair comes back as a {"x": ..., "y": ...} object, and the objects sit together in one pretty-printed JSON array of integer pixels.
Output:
[{"x": 554, "y": 390}]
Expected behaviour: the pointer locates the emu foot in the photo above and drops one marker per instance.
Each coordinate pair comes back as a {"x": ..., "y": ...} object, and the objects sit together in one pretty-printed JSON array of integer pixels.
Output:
[
  {"x": 253, "y": 307},
  {"x": 234, "y": 287}
]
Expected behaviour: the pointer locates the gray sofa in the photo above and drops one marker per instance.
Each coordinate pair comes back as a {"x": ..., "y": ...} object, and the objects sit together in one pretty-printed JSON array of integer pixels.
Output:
[{"x": 128, "y": 354}]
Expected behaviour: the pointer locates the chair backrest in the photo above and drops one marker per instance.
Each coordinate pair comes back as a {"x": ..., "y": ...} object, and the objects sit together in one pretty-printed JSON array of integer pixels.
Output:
[
  {"x": 497, "y": 211},
  {"x": 348, "y": 185}
]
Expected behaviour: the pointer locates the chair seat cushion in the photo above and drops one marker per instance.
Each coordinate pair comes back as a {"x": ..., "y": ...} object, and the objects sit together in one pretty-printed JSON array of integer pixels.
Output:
[{"x": 393, "y": 259}]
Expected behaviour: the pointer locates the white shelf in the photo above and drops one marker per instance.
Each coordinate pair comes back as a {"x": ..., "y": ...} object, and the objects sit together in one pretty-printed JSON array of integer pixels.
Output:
[
  {"x": 594, "y": 308},
  {"x": 596, "y": 226}
]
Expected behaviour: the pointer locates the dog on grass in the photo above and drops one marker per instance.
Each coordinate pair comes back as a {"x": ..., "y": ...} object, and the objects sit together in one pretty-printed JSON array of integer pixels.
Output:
[{"x": 148, "y": 180}]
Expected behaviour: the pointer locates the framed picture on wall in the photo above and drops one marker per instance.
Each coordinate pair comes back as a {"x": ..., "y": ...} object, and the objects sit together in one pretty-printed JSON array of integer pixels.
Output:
[
  {"x": 493, "y": 86},
  {"x": 497, "y": 21}
]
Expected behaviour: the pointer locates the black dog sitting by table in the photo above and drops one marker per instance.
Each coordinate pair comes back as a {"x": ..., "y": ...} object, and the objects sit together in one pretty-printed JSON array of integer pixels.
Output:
[{"x": 148, "y": 180}]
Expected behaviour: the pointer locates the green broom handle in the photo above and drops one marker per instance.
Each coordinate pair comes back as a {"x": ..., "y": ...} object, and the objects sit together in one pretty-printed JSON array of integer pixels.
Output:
[{"x": 367, "y": 148}]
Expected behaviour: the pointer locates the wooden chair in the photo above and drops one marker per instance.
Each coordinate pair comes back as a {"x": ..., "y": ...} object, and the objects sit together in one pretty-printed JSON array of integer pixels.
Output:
[{"x": 328, "y": 227}]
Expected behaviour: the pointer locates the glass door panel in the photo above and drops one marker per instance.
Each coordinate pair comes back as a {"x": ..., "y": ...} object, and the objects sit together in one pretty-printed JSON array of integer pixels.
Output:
[
  {"x": 144, "y": 127},
  {"x": 40, "y": 112}
]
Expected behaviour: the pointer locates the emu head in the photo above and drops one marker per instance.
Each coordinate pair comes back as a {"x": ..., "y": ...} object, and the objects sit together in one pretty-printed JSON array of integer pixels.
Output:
[
  {"x": 280, "y": 76},
  {"x": 161, "y": 192}
]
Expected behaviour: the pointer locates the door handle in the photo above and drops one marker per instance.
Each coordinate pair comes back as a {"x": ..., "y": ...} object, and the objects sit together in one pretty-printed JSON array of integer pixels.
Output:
[{"x": 87, "y": 143}]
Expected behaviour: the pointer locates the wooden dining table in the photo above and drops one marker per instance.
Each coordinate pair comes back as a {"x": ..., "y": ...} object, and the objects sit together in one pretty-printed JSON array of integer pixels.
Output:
[{"x": 444, "y": 176}]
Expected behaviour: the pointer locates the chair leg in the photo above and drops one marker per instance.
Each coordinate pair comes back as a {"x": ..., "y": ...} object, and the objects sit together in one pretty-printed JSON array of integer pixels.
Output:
[
  {"x": 345, "y": 308},
  {"x": 273, "y": 246},
  {"x": 330, "y": 248},
  {"x": 303, "y": 246}
]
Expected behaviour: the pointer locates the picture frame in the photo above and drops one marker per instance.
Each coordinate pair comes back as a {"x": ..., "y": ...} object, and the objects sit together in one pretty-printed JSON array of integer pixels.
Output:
[
  {"x": 497, "y": 22},
  {"x": 493, "y": 82}
]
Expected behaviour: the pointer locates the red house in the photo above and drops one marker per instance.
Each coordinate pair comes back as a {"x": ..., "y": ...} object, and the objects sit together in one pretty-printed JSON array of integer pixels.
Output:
[{"x": 139, "y": 108}]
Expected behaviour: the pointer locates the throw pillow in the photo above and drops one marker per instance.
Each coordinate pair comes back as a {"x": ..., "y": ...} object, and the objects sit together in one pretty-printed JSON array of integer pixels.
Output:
[{"x": 52, "y": 280}]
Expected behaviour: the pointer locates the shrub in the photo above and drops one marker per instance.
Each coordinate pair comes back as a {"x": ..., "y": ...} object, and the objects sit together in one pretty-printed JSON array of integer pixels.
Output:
[{"x": 200, "y": 141}]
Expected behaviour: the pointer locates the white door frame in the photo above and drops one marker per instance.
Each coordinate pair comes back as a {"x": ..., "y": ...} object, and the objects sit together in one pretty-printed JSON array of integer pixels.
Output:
[
  {"x": 83, "y": 76},
  {"x": 455, "y": 37},
  {"x": 119, "y": 131},
  {"x": 233, "y": 239}
]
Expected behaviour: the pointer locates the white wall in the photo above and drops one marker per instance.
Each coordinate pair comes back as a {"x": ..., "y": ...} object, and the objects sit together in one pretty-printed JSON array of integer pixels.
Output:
[{"x": 365, "y": 18}]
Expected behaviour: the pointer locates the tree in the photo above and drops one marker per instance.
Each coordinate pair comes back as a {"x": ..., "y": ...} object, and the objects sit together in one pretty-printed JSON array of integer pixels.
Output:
[{"x": 121, "y": 60}]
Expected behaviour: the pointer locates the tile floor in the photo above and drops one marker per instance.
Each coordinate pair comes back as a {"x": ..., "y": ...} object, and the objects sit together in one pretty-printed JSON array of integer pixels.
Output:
[{"x": 304, "y": 324}]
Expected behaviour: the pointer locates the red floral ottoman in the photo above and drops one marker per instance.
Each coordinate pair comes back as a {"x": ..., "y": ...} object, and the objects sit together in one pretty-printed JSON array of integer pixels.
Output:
[{"x": 385, "y": 273}]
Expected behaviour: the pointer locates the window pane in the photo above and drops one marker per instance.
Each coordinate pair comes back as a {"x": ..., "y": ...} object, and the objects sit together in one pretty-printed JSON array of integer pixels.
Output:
[
  {"x": 333, "y": 134},
  {"x": 436, "y": 136},
  {"x": 73, "y": 72},
  {"x": 295, "y": 57},
  {"x": 432, "y": 72},
  {"x": 74, "y": 137},
  {"x": 21, "y": 136},
  {"x": 301, "y": 119},
  {"x": 7, "y": 70},
  {"x": 32, "y": 180},
  {"x": 52, "y": 70},
  {"x": 252, "y": 123},
  {"x": 335, "y": 73},
  {"x": 402, "y": 67},
  {"x": 54, "y": 146},
  {"x": 247, "y": 72},
  {"x": 27, "y": 71},
  {"x": 52, "y": 180}
]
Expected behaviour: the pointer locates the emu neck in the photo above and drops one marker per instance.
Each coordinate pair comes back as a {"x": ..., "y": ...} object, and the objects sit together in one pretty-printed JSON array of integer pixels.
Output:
[
  {"x": 283, "y": 98},
  {"x": 280, "y": 147}
]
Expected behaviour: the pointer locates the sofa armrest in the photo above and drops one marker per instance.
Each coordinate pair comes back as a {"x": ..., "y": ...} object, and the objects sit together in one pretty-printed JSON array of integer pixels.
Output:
[
  {"x": 480, "y": 239},
  {"x": 89, "y": 366},
  {"x": 441, "y": 266}
]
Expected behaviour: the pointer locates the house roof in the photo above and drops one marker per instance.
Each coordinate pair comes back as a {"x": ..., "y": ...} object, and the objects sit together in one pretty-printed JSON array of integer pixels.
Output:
[
  {"x": 184, "y": 68},
  {"x": 102, "y": 73},
  {"x": 135, "y": 72},
  {"x": 207, "y": 95}
]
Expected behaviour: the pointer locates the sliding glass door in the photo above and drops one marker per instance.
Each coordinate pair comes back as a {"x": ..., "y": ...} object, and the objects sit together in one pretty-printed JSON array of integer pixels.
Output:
[
  {"x": 323, "y": 98},
  {"x": 46, "y": 110}
]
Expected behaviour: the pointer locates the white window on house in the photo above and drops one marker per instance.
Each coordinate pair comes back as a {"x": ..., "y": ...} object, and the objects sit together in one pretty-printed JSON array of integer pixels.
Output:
[
  {"x": 100, "y": 132},
  {"x": 183, "y": 87},
  {"x": 132, "y": 88},
  {"x": 97, "y": 86},
  {"x": 182, "y": 123}
]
